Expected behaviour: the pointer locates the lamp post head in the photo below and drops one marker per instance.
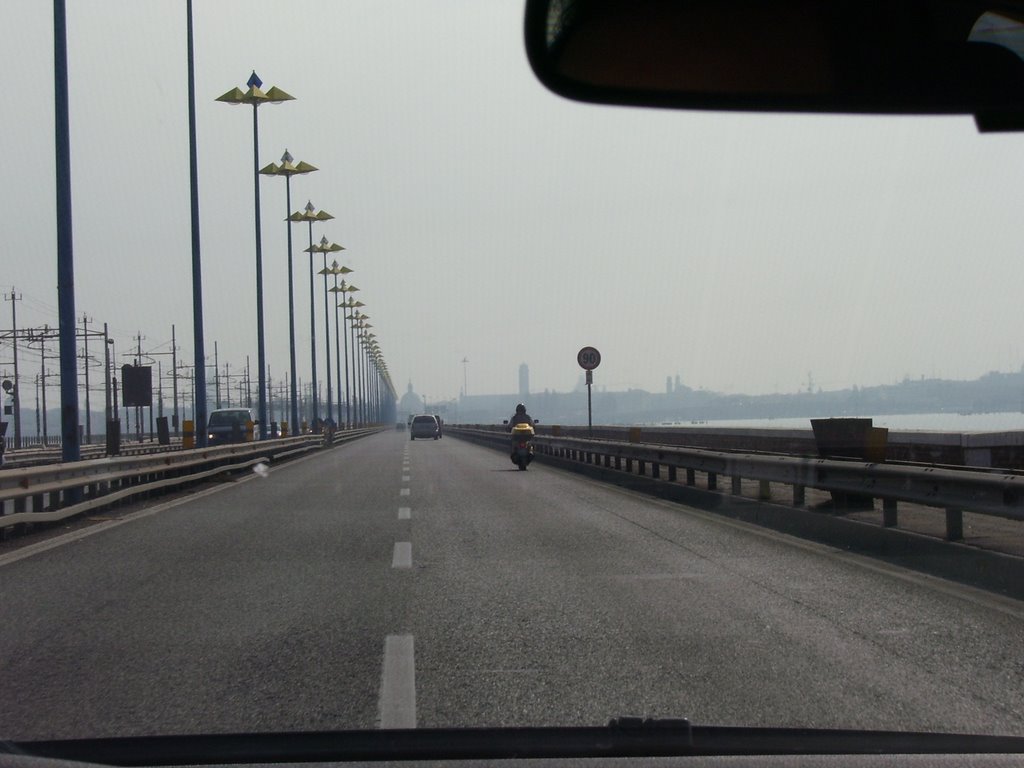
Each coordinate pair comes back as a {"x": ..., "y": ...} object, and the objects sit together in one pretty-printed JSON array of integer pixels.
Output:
[
  {"x": 309, "y": 213},
  {"x": 275, "y": 95},
  {"x": 254, "y": 95},
  {"x": 288, "y": 169}
]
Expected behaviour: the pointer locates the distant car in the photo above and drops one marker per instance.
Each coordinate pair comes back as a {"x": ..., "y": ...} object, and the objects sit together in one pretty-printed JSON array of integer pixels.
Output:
[
  {"x": 424, "y": 426},
  {"x": 228, "y": 425}
]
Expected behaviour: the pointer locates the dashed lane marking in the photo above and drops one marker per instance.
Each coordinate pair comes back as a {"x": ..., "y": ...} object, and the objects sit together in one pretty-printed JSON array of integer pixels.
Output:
[
  {"x": 402, "y": 558},
  {"x": 398, "y": 683}
]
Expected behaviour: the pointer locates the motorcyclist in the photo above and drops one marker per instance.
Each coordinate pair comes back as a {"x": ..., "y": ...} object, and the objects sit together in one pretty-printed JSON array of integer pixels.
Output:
[{"x": 520, "y": 417}]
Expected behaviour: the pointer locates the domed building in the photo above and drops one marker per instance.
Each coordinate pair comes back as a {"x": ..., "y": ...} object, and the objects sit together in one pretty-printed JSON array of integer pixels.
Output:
[{"x": 409, "y": 405}]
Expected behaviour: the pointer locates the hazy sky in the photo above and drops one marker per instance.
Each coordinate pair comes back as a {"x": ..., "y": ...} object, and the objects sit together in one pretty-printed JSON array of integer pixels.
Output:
[{"x": 488, "y": 219}]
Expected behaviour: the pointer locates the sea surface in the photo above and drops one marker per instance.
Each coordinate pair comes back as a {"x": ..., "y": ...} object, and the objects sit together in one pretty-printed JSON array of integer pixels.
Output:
[{"x": 931, "y": 422}]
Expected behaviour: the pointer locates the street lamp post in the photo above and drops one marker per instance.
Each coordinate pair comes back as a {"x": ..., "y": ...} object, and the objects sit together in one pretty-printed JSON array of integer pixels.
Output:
[
  {"x": 310, "y": 215},
  {"x": 323, "y": 247},
  {"x": 336, "y": 270},
  {"x": 357, "y": 370},
  {"x": 364, "y": 339},
  {"x": 375, "y": 382},
  {"x": 350, "y": 400},
  {"x": 351, "y": 305},
  {"x": 367, "y": 376},
  {"x": 254, "y": 96},
  {"x": 371, "y": 356},
  {"x": 288, "y": 169},
  {"x": 344, "y": 288},
  {"x": 198, "y": 341}
]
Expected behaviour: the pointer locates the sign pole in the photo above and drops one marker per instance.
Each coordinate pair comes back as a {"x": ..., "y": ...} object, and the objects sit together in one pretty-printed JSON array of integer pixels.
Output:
[
  {"x": 590, "y": 411},
  {"x": 589, "y": 358}
]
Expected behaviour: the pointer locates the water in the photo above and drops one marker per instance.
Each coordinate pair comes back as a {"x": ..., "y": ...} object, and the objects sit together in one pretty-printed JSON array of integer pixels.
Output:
[{"x": 932, "y": 422}]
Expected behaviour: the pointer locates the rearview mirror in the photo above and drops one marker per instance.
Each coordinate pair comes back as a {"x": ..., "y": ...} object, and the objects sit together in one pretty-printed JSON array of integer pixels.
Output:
[{"x": 861, "y": 56}]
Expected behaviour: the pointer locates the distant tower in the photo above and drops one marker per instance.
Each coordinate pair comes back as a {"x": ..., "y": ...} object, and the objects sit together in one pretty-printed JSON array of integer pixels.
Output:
[
  {"x": 668, "y": 385},
  {"x": 679, "y": 383},
  {"x": 524, "y": 380}
]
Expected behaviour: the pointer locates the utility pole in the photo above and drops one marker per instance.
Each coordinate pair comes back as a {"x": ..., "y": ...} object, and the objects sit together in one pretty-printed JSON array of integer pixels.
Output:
[
  {"x": 42, "y": 378},
  {"x": 14, "y": 299},
  {"x": 248, "y": 384},
  {"x": 216, "y": 372},
  {"x": 174, "y": 379},
  {"x": 106, "y": 372},
  {"x": 88, "y": 413},
  {"x": 138, "y": 408},
  {"x": 270, "y": 395}
]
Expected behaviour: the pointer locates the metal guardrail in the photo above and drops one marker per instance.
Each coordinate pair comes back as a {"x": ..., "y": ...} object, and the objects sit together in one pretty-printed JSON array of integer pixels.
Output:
[
  {"x": 37, "y": 457},
  {"x": 58, "y": 491},
  {"x": 953, "y": 490}
]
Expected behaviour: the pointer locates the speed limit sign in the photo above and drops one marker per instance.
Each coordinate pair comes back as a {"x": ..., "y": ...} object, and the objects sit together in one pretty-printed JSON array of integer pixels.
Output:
[{"x": 588, "y": 358}]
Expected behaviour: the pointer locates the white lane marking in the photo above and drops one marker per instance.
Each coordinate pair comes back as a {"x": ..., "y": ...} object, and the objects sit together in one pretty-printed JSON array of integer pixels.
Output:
[
  {"x": 402, "y": 558},
  {"x": 404, "y": 513},
  {"x": 404, "y": 492},
  {"x": 405, "y": 478},
  {"x": 398, "y": 683}
]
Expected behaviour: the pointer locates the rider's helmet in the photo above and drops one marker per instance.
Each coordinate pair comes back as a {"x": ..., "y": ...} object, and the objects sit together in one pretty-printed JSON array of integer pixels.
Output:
[{"x": 520, "y": 408}]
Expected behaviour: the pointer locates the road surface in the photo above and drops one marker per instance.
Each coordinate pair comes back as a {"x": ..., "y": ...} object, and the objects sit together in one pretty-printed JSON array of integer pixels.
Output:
[{"x": 398, "y": 583}]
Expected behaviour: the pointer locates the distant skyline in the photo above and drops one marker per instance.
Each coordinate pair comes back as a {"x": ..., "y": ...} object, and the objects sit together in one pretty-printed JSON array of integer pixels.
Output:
[{"x": 491, "y": 222}]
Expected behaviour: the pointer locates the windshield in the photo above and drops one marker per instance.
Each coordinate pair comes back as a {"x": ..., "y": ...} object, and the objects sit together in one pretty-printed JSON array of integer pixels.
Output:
[
  {"x": 228, "y": 418},
  {"x": 707, "y": 280}
]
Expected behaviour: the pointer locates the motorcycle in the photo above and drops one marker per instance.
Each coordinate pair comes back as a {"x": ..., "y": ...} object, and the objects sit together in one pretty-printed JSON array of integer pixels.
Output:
[{"x": 522, "y": 445}]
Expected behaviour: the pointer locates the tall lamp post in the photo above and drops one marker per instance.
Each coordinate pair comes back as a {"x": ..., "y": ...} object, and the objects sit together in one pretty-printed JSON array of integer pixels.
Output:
[
  {"x": 336, "y": 270},
  {"x": 368, "y": 347},
  {"x": 198, "y": 341},
  {"x": 323, "y": 247},
  {"x": 254, "y": 97},
  {"x": 375, "y": 360},
  {"x": 343, "y": 289},
  {"x": 351, "y": 305},
  {"x": 364, "y": 336},
  {"x": 288, "y": 168},
  {"x": 310, "y": 215},
  {"x": 353, "y": 319}
]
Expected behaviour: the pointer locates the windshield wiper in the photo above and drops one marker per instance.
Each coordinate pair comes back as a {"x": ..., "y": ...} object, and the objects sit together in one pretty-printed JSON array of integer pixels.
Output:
[{"x": 622, "y": 737}]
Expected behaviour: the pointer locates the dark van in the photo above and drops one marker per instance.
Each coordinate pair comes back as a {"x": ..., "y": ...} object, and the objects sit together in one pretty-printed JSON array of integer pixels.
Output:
[
  {"x": 228, "y": 425},
  {"x": 423, "y": 426}
]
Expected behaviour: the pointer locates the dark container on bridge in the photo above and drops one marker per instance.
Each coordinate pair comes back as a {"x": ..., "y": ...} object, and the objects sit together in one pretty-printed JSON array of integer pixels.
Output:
[
  {"x": 850, "y": 438},
  {"x": 163, "y": 431},
  {"x": 113, "y": 437}
]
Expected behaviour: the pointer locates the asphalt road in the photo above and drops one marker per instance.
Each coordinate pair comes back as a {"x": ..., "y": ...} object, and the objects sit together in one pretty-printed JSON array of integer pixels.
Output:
[{"x": 396, "y": 583}]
